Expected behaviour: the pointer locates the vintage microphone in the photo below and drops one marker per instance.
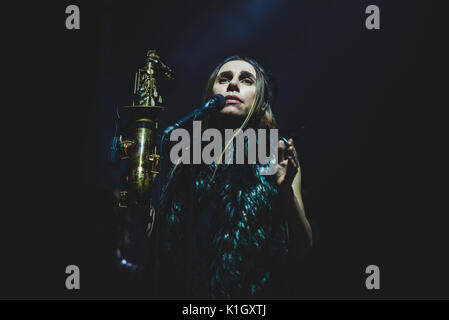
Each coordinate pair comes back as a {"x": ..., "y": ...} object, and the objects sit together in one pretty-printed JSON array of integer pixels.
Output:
[{"x": 213, "y": 104}]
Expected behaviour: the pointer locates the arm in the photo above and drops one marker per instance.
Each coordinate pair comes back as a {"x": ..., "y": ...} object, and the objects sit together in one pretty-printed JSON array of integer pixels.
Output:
[
  {"x": 133, "y": 233},
  {"x": 298, "y": 227},
  {"x": 289, "y": 181}
]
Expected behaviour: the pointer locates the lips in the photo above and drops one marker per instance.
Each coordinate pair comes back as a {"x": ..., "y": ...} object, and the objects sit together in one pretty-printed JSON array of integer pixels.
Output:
[{"x": 233, "y": 100}]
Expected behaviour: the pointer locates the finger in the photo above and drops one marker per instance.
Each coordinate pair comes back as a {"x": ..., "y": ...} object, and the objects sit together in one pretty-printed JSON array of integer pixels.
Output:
[
  {"x": 292, "y": 151},
  {"x": 291, "y": 146},
  {"x": 281, "y": 151},
  {"x": 291, "y": 143},
  {"x": 295, "y": 158}
]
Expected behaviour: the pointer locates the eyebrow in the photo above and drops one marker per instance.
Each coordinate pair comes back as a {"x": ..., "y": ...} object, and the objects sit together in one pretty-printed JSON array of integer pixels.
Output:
[
  {"x": 247, "y": 74},
  {"x": 242, "y": 74}
]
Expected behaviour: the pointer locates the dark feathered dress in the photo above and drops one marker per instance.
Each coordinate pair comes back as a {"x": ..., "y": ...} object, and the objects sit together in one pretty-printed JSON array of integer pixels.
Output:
[{"x": 221, "y": 238}]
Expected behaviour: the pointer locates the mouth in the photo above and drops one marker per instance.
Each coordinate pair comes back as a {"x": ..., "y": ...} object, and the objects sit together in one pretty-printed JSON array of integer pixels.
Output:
[{"x": 233, "y": 100}]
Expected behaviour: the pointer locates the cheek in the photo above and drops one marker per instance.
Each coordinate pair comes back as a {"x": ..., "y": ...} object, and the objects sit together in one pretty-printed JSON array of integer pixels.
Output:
[
  {"x": 217, "y": 88},
  {"x": 250, "y": 95}
]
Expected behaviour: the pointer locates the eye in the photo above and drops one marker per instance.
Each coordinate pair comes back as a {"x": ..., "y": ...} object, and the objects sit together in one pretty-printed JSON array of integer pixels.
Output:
[
  {"x": 248, "y": 81},
  {"x": 223, "y": 80}
]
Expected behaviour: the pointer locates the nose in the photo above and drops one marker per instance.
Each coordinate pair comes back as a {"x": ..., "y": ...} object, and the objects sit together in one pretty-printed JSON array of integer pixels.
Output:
[{"x": 233, "y": 86}]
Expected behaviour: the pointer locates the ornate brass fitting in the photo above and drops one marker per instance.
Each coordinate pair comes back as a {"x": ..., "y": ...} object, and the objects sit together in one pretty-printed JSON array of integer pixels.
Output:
[{"x": 145, "y": 83}]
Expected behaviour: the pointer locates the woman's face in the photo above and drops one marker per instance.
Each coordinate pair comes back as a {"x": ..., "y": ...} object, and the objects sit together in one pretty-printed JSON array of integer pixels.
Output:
[{"x": 236, "y": 81}]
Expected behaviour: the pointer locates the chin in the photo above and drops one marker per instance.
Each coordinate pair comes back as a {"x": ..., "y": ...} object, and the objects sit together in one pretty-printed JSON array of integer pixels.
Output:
[{"x": 231, "y": 110}]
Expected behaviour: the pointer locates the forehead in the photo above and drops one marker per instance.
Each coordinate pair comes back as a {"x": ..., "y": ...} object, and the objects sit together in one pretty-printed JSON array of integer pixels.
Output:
[{"x": 237, "y": 66}]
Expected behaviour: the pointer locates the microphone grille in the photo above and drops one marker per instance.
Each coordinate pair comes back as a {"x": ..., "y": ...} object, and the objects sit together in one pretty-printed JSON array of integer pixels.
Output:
[{"x": 220, "y": 100}]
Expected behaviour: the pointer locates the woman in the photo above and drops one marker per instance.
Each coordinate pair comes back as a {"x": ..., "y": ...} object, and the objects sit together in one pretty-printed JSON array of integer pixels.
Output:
[{"x": 225, "y": 231}]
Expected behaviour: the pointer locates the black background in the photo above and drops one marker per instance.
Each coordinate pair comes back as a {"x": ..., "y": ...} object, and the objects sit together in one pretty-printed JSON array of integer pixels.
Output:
[{"x": 362, "y": 106}]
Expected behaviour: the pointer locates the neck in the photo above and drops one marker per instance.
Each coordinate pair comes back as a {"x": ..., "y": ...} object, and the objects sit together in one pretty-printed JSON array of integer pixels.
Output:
[{"x": 225, "y": 121}]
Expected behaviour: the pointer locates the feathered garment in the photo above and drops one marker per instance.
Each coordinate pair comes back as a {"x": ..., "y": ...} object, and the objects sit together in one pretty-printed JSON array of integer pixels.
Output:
[{"x": 220, "y": 238}]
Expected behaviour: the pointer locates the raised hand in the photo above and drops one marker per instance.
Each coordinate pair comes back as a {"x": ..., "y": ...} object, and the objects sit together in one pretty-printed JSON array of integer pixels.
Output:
[{"x": 288, "y": 167}]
